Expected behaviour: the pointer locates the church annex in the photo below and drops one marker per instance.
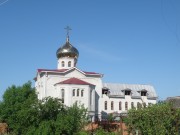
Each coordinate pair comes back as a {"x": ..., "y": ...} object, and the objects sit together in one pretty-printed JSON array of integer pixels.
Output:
[{"x": 71, "y": 84}]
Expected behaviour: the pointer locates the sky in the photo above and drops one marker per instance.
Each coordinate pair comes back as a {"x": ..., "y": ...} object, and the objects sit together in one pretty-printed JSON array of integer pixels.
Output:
[{"x": 129, "y": 41}]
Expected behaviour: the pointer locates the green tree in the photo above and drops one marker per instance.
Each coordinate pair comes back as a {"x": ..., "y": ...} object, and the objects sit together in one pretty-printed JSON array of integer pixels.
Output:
[
  {"x": 14, "y": 109},
  {"x": 73, "y": 120},
  {"x": 46, "y": 112},
  {"x": 27, "y": 115},
  {"x": 158, "y": 119}
]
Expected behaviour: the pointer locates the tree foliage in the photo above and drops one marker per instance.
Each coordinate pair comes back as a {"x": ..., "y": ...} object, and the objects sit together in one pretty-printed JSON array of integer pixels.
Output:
[
  {"x": 27, "y": 115},
  {"x": 159, "y": 119},
  {"x": 15, "y": 107}
]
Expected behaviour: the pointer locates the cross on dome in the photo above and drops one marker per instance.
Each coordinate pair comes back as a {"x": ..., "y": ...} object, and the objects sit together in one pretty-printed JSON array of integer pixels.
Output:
[
  {"x": 67, "y": 50},
  {"x": 67, "y": 29}
]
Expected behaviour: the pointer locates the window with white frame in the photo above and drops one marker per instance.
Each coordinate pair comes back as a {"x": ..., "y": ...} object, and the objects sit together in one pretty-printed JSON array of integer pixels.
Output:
[
  {"x": 69, "y": 64},
  {"x": 62, "y": 95},
  {"x": 139, "y": 105},
  {"x": 73, "y": 93},
  {"x": 77, "y": 92},
  {"x": 82, "y": 93},
  {"x": 105, "y": 105},
  {"x": 62, "y": 64},
  {"x": 132, "y": 104},
  {"x": 120, "y": 105},
  {"x": 112, "y": 105},
  {"x": 126, "y": 105}
]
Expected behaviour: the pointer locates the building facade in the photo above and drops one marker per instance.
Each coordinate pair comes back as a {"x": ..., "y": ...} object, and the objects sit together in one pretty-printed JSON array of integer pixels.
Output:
[{"x": 71, "y": 84}]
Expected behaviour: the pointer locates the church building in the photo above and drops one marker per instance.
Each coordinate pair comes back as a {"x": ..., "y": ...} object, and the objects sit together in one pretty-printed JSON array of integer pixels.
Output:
[{"x": 72, "y": 84}]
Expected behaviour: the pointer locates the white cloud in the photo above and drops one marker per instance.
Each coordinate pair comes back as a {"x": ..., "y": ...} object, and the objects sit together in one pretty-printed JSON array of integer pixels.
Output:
[{"x": 102, "y": 54}]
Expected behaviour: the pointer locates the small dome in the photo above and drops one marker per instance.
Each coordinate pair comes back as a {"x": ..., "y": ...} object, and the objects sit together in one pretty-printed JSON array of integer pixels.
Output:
[{"x": 67, "y": 50}]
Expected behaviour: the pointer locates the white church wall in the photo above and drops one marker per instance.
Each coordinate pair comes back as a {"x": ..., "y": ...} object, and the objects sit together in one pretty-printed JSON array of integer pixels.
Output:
[
  {"x": 123, "y": 101},
  {"x": 45, "y": 86},
  {"x": 97, "y": 81},
  {"x": 148, "y": 101},
  {"x": 48, "y": 88},
  {"x": 40, "y": 85},
  {"x": 69, "y": 99},
  {"x": 151, "y": 101},
  {"x": 52, "y": 89},
  {"x": 75, "y": 74},
  {"x": 81, "y": 100},
  {"x": 91, "y": 102}
]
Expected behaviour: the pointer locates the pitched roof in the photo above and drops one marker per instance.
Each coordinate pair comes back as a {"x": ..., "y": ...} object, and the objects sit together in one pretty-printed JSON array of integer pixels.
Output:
[
  {"x": 74, "y": 81},
  {"x": 64, "y": 70},
  {"x": 52, "y": 70},
  {"x": 90, "y": 72},
  {"x": 117, "y": 89}
]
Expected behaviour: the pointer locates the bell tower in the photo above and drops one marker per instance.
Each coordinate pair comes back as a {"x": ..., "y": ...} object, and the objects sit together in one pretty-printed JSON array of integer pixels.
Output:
[{"x": 67, "y": 54}]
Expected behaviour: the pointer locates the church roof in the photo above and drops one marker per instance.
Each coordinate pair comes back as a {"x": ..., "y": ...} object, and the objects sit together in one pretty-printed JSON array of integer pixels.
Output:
[
  {"x": 74, "y": 81},
  {"x": 66, "y": 70},
  {"x": 52, "y": 70},
  {"x": 117, "y": 89},
  {"x": 67, "y": 50}
]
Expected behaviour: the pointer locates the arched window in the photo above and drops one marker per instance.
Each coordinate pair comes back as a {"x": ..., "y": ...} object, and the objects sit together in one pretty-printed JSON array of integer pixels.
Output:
[
  {"x": 139, "y": 105},
  {"x": 112, "y": 105},
  {"x": 69, "y": 64},
  {"x": 105, "y": 105},
  {"x": 77, "y": 92},
  {"x": 91, "y": 97},
  {"x": 144, "y": 104},
  {"x": 62, "y": 63},
  {"x": 132, "y": 104},
  {"x": 62, "y": 95},
  {"x": 126, "y": 105},
  {"x": 73, "y": 92},
  {"x": 82, "y": 93},
  {"x": 120, "y": 105}
]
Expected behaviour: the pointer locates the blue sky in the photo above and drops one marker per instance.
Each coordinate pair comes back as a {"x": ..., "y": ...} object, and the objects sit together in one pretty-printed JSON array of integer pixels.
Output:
[{"x": 129, "y": 41}]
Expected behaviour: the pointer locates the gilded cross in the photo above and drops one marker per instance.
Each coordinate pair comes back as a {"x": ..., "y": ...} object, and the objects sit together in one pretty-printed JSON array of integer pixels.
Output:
[{"x": 68, "y": 29}]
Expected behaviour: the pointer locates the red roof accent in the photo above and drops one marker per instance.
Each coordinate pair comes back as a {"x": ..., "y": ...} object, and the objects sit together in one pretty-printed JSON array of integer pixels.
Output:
[
  {"x": 90, "y": 72},
  {"x": 63, "y": 70},
  {"x": 52, "y": 70},
  {"x": 75, "y": 81}
]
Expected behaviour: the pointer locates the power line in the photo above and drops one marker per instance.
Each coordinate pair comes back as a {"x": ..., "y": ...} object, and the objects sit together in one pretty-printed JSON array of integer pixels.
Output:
[
  {"x": 174, "y": 32},
  {"x": 3, "y": 2}
]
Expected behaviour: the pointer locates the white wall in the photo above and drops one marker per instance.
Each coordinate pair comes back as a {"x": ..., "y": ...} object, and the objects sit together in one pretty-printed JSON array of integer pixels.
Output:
[{"x": 116, "y": 101}]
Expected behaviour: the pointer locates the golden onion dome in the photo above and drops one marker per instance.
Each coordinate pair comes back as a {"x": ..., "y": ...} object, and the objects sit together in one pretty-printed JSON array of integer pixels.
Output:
[{"x": 67, "y": 50}]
